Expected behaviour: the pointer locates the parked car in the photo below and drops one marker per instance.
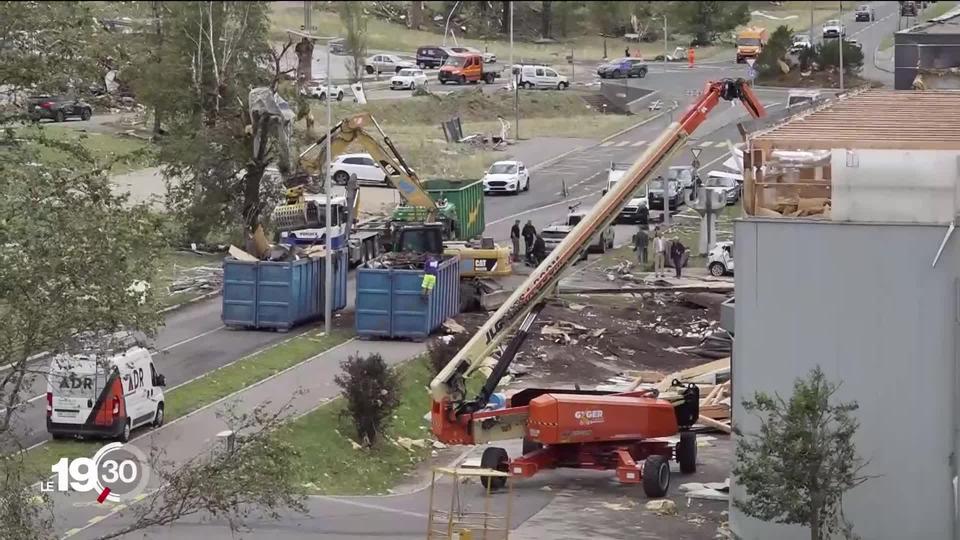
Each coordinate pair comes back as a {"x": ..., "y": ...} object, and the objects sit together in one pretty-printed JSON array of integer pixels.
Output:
[
  {"x": 720, "y": 258},
  {"x": 57, "y": 108},
  {"x": 800, "y": 42},
  {"x": 623, "y": 67},
  {"x": 908, "y": 9},
  {"x": 655, "y": 193},
  {"x": 535, "y": 76},
  {"x": 833, "y": 29},
  {"x": 386, "y": 63},
  {"x": 488, "y": 57},
  {"x": 630, "y": 213},
  {"x": 725, "y": 182},
  {"x": 864, "y": 13},
  {"x": 431, "y": 56},
  {"x": 364, "y": 166},
  {"x": 316, "y": 89},
  {"x": 555, "y": 233},
  {"x": 464, "y": 68},
  {"x": 408, "y": 78},
  {"x": 685, "y": 175},
  {"x": 506, "y": 177},
  {"x": 338, "y": 46}
]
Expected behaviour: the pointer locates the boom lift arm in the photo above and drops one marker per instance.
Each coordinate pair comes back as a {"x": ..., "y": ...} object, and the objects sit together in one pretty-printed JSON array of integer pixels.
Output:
[{"x": 451, "y": 413}]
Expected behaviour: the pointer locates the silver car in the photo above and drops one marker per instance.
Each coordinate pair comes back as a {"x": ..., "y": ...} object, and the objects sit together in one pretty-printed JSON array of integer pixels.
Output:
[{"x": 386, "y": 63}]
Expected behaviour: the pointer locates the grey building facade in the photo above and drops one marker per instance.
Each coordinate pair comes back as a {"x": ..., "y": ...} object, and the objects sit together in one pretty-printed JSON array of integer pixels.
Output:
[
  {"x": 934, "y": 47},
  {"x": 863, "y": 302}
]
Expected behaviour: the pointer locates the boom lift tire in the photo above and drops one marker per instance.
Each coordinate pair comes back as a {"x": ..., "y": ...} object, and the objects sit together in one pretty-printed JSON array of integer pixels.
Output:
[
  {"x": 656, "y": 476},
  {"x": 687, "y": 452},
  {"x": 494, "y": 458}
]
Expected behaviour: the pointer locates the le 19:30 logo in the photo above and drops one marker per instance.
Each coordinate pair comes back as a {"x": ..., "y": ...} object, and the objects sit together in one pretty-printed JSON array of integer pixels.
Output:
[{"x": 115, "y": 473}]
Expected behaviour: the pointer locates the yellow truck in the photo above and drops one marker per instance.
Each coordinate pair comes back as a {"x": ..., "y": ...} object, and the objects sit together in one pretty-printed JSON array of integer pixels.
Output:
[{"x": 750, "y": 42}]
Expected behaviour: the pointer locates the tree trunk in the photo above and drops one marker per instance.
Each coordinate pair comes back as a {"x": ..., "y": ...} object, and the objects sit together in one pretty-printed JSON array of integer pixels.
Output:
[
  {"x": 546, "y": 17},
  {"x": 158, "y": 56},
  {"x": 415, "y": 14},
  {"x": 815, "y": 528},
  {"x": 505, "y": 17}
]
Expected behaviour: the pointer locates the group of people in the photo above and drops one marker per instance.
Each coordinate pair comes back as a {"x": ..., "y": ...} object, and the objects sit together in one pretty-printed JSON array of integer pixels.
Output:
[
  {"x": 676, "y": 251},
  {"x": 534, "y": 248}
]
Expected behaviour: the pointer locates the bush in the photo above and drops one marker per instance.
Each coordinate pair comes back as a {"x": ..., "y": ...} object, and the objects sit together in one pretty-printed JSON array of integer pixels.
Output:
[
  {"x": 776, "y": 49},
  {"x": 828, "y": 56},
  {"x": 372, "y": 391},
  {"x": 440, "y": 353}
]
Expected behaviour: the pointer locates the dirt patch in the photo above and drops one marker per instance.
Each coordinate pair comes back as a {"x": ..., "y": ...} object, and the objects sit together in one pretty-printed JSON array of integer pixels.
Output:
[{"x": 588, "y": 339}]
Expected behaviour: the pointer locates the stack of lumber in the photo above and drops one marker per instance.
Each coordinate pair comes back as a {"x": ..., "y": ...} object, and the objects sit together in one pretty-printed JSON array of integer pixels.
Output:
[{"x": 713, "y": 380}]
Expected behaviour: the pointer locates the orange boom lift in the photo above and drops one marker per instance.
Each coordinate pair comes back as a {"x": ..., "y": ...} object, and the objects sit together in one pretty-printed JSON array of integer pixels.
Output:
[{"x": 577, "y": 428}]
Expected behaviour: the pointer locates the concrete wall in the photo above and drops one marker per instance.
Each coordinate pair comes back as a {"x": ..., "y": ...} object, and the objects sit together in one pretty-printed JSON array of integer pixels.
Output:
[
  {"x": 863, "y": 302},
  {"x": 935, "y": 51},
  {"x": 903, "y": 186}
]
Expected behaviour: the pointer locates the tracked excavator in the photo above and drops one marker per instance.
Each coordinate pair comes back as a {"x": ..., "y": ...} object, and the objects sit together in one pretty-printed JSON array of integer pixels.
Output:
[
  {"x": 438, "y": 230},
  {"x": 571, "y": 427}
]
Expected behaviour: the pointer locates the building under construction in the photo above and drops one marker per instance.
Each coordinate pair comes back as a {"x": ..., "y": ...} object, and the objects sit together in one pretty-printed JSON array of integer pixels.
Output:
[{"x": 847, "y": 259}]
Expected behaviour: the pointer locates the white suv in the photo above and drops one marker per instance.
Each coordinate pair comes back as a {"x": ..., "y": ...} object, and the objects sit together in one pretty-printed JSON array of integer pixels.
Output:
[
  {"x": 364, "y": 166},
  {"x": 316, "y": 89}
]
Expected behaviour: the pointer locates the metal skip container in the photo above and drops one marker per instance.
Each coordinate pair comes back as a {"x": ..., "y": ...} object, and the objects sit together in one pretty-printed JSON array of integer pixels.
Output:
[
  {"x": 280, "y": 295},
  {"x": 390, "y": 303}
]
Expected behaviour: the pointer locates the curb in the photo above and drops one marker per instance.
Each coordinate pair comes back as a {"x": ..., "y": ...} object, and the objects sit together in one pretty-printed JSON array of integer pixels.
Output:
[
  {"x": 876, "y": 52},
  {"x": 192, "y": 301}
]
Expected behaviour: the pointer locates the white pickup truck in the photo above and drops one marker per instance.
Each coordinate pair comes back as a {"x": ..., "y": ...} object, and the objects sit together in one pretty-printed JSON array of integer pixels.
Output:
[
  {"x": 555, "y": 233},
  {"x": 630, "y": 213}
]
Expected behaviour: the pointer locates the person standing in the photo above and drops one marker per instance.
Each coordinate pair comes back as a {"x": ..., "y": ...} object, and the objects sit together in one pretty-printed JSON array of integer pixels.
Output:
[
  {"x": 659, "y": 253},
  {"x": 515, "y": 239},
  {"x": 641, "y": 239},
  {"x": 643, "y": 217},
  {"x": 626, "y": 52},
  {"x": 676, "y": 254},
  {"x": 539, "y": 250},
  {"x": 529, "y": 234}
]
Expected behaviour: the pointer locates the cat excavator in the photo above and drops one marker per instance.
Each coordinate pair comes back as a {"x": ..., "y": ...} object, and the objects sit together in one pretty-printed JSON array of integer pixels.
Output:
[
  {"x": 572, "y": 427},
  {"x": 437, "y": 232}
]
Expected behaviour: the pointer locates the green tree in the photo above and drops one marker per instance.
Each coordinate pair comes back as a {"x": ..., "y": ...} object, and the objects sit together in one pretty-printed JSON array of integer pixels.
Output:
[
  {"x": 354, "y": 20},
  {"x": 801, "y": 461},
  {"x": 774, "y": 52},
  {"x": 828, "y": 56},
  {"x": 371, "y": 389},
  {"x": 706, "y": 21}
]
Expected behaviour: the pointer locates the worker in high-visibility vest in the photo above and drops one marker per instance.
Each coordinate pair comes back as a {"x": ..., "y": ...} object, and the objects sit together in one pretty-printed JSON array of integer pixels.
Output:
[
  {"x": 429, "y": 277},
  {"x": 690, "y": 56}
]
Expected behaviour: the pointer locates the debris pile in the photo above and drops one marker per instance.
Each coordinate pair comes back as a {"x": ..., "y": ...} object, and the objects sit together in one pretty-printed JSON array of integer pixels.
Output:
[
  {"x": 712, "y": 491},
  {"x": 713, "y": 379},
  {"x": 197, "y": 279},
  {"x": 568, "y": 333},
  {"x": 258, "y": 249},
  {"x": 400, "y": 261}
]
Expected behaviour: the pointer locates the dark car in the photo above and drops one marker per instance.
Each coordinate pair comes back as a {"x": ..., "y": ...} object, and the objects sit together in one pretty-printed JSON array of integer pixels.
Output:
[
  {"x": 57, "y": 109},
  {"x": 864, "y": 13},
  {"x": 908, "y": 9},
  {"x": 624, "y": 67},
  {"x": 431, "y": 56}
]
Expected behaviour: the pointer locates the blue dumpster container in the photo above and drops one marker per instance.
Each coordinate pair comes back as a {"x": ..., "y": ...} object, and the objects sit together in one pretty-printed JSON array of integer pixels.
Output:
[
  {"x": 280, "y": 295},
  {"x": 390, "y": 305}
]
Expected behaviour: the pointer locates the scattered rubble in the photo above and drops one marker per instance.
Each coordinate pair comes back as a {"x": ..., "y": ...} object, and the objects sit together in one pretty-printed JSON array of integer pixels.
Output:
[
  {"x": 196, "y": 279},
  {"x": 663, "y": 507}
]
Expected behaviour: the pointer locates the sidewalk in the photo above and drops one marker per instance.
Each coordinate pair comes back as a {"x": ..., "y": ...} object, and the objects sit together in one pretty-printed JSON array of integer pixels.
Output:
[{"x": 193, "y": 434}]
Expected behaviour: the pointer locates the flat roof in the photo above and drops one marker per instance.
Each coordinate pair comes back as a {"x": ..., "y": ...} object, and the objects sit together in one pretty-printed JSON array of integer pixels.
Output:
[{"x": 882, "y": 119}]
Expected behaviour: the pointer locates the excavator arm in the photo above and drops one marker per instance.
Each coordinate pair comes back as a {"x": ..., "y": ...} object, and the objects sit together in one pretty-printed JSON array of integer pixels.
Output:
[
  {"x": 450, "y": 409},
  {"x": 350, "y": 131}
]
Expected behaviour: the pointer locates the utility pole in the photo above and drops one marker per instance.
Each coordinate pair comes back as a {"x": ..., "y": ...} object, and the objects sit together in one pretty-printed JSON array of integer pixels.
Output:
[
  {"x": 307, "y": 23},
  {"x": 328, "y": 256},
  {"x": 664, "y": 42},
  {"x": 842, "y": 28},
  {"x": 446, "y": 26},
  {"x": 811, "y": 23},
  {"x": 516, "y": 84}
]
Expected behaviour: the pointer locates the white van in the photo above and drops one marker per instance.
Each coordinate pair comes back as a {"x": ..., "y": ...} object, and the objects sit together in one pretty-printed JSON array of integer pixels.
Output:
[
  {"x": 91, "y": 397},
  {"x": 536, "y": 76}
]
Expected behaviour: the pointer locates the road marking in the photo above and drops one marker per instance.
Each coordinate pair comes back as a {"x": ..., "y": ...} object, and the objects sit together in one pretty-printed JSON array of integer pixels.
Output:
[
  {"x": 622, "y": 143},
  {"x": 608, "y": 143},
  {"x": 194, "y": 338},
  {"x": 638, "y": 143},
  {"x": 537, "y": 209},
  {"x": 872, "y": 25},
  {"x": 369, "y": 506}
]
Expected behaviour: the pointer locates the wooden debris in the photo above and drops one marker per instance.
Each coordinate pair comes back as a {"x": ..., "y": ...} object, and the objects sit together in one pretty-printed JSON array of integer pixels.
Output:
[
  {"x": 241, "y": 255},
  {"x": 715, "y": 424}
]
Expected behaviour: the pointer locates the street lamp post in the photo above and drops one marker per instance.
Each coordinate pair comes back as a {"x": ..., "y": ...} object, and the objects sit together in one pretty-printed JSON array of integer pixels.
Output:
[
  {"x": 841, "y": 46},
  {"x": 516, "y": 84},
  {"x": 664, "y": 42},
  {"x": 328, "y": 254}
]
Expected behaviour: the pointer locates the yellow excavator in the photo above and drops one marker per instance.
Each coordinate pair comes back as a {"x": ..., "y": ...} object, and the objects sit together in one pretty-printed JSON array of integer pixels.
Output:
[{"x": 436, "y": 228}]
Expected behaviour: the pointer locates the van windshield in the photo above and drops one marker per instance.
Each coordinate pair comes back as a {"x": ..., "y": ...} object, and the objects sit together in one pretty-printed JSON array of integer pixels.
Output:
[
  {"x": 456, "y": 61},
  {"x": 681, "y": 174},
  {"x": 748, "y": 42}
]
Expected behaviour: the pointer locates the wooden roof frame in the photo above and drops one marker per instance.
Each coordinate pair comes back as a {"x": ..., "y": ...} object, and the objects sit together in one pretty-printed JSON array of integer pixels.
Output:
[{"x": 871, "y": 119}]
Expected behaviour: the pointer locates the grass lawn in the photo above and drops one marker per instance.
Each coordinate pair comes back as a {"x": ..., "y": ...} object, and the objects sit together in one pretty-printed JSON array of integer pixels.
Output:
[
  {"x": 795, "y": 15},
  {"x": 171, "y": 265},
  {"x": 203, "y": 391},
  {"x": 415, "y": 126},
  {"x": 103, "y": 147},
  {"x": 388, "y": 36},
  {"x": 329, "y": 464}
]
